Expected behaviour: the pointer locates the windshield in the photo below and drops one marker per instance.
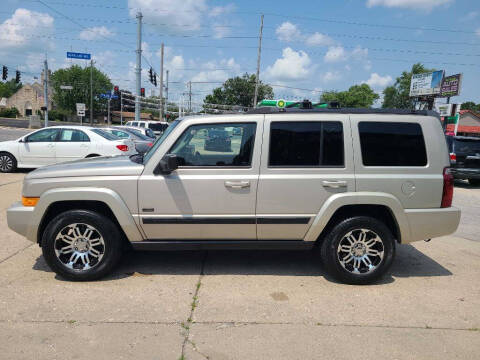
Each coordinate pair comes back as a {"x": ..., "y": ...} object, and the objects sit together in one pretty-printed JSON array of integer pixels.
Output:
[
  {"x": 159, "y": 141},
  {"x": 137, "y": 134},
  {"x": 105, "y": 134},
  {"x": 157, "y": 127}
]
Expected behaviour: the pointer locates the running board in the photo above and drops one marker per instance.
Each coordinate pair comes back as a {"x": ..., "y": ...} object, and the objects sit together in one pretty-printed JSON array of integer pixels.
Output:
[{"x": 175, "y": 245}]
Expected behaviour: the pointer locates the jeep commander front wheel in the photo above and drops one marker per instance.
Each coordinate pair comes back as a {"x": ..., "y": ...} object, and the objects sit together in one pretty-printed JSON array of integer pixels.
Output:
[
  {"x": 358, "y": 250},
  {"x": 81, "y": 245}
]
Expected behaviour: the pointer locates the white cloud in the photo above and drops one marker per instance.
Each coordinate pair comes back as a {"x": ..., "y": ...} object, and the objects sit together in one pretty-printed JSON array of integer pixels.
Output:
[
  {"x": 318, "y": 39},
  {"x": 288, "y": 32},
  {"x": 359, "y": 53},
  {"x": 331, "y": 76},
  {"x": 426, "y": 5},
  {"x": 175, "y": 15},
  {"x": 105, "y": 58},
  {"x": 377, "y": 81},
  {"x": 335, "y": 54},
  {"x": 221, "y": 10},
  {"x": 94, "y": 33},
  {"x": 27, "y": 30},
  {"x": 293, "y": 65},
  {"x": 221, "y": 30}
]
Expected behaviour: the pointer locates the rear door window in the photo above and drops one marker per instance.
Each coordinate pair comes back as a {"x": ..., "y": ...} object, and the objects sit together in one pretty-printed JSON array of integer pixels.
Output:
[
  {"x": 306, "y": 144},
  {"x": 467, "y": 146},
  {"x": 392, "y": 144},
  {"x": 72, "y": 135}
]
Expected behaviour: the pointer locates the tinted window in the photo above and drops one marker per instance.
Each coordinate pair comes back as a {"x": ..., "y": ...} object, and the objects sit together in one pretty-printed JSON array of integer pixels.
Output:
[
  {"x": 302, "y": 143},
  {"x": 142, "y": 125},
  {"x": 134, "y": 123},
  {"x": 157, "y": 127},
  {"x": 73, "y": 136},
  {"x": 46, "y": 135},
  {"x": 392, "y": 144},
  {"x": 196, "y": 147},
  {"x": 467, "y": 146}
]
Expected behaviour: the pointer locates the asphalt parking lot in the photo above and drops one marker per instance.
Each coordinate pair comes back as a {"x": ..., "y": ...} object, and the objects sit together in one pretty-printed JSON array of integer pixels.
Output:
[{"x": 244, "y": 304}]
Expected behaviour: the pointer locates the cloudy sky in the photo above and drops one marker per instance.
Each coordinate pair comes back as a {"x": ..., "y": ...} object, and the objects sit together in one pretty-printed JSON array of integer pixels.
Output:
[{"x": 308, "y": 46}]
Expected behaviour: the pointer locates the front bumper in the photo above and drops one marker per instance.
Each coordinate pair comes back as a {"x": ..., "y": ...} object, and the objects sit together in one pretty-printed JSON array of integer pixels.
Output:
[
  {"x": 430, "y": 223},
  {"x": 19, "y": 219}
]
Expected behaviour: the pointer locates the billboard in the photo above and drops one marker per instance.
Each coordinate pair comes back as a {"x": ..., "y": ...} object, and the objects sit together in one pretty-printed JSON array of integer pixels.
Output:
[
  {"x": 426, "y": 83},
  {"x": 451, "y": 85},
  {"x": 444, "y": 109}
]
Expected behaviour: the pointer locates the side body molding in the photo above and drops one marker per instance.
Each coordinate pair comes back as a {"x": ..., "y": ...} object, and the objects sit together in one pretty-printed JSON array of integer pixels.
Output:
[
  {"x": 335, "y": 202},
  {"x": 107, "y": 196}
]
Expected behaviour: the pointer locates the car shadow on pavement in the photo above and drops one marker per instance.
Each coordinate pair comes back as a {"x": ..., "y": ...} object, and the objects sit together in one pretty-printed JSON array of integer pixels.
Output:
[
  {"x": 464, "y": 184},
  {"x": 409, "y": 262}
]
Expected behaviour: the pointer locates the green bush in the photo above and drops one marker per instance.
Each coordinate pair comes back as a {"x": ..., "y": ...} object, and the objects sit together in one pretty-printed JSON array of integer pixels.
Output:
[{"x": 9, "y": 113}]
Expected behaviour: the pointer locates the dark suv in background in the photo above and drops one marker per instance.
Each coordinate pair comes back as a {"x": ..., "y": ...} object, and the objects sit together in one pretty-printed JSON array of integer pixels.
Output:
[{"x": 465, "y": 158}]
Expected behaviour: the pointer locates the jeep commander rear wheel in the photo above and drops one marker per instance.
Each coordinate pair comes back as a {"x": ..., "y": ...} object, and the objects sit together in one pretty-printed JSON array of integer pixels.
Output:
[
  {"x": 358, "y": 250},
  {"x": 81, "y": 245}
]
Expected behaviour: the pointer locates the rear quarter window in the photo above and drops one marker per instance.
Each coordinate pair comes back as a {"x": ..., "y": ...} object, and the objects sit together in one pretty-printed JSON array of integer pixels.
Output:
[{"x": 392, "y": 144}]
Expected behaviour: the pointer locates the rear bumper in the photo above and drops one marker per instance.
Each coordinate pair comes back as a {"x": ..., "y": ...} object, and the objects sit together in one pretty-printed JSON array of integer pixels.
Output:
[
  {"x": 429, "y": 223},
  {"x": 19, "y": 219},
  {"x": 466, "y": 173}
]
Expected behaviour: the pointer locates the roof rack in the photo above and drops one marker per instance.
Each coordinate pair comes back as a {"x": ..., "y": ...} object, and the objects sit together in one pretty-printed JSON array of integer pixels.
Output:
[{"x": 273, "y": 110}]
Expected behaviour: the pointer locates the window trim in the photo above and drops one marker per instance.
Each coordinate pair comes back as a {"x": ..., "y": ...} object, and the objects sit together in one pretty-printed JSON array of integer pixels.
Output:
[
  {"x": 216, "y": 167},
  {"x": 344, "y": 166},
  {"x": 393, "y": 167}
]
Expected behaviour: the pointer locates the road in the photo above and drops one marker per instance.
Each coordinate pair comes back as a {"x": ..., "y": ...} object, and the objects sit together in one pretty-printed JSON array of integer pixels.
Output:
[
  {"x": 12, "y": 133},
  {"x": 244, "y": 304}
]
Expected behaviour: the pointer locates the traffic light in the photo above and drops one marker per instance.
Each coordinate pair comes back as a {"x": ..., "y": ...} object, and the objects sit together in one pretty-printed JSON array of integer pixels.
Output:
[
  {"x": 4, "y": 72},
  {"x": 155, "y": 80},
  {"x": 142, "y": 92},
  {"x": 116, "y": 91},
  {"x": 17, "y": 76},
  {"x": 150, "y": 72}
]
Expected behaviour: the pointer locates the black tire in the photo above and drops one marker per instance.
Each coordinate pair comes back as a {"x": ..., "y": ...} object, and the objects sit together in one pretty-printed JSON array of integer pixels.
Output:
[
  {"x": 330, "y": 250},
  {"x": 474, "y": 182},
  {"x": 109, "y": 232},
  {"x": 8, "y": 163}
]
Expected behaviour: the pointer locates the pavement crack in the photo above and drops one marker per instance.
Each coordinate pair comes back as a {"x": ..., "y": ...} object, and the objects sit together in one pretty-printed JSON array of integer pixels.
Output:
[
  {"x": 187, "y": 325},
  {"x": 15, "y": 253}
]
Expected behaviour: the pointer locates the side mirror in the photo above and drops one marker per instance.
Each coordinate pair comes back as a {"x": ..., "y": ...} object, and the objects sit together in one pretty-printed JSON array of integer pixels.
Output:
[
  {"x": 167, "y": 165},
  {"x": 23, "y": 140}
]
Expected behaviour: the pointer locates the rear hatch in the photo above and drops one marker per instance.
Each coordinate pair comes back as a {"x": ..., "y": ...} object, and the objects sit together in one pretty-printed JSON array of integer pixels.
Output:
[{"x": 467, "y": 152}]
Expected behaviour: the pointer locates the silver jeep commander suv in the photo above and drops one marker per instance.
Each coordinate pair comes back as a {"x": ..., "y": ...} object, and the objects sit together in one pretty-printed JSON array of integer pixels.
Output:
[{"x": 351, "y": 183}]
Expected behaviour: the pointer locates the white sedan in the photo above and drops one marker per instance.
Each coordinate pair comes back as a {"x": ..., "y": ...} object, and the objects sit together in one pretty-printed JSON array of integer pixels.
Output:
[{"x": 59, "y": 144}]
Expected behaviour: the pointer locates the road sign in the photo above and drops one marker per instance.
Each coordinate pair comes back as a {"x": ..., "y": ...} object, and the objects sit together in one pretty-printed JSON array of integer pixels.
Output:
[
  {"x": 66, "y": 87},
  {"x": 444, "y": 109},
  {"x": 108, "y": 96},
  {"x": 80, "y": 109},
  {"x": 426, "y": 83},
  {"x": 74, "y": 55}
]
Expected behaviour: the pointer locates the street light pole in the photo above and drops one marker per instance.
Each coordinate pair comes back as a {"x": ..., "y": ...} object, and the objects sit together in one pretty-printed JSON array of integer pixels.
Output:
[
  {"x": 258, "y": 63},
  {"x": 91, "y": 92},
  {"x": 45, "y": 90},
  {"x": 138, "y": 68},
  {"x": 161, "y": 84}
]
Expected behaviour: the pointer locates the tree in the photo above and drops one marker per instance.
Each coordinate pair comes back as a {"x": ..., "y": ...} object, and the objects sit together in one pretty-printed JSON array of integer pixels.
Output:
[
  {"x": 397, "y": 96},
  {"x": 470, "y": 105},
  {"x": 239, "y": 91},
  {"x": 8, "y": 88},
  {"x": 79, "y": 78},
  {"x": 357, "y": 96}
]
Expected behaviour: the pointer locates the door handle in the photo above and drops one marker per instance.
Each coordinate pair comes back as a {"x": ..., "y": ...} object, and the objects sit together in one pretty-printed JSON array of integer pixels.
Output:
[
  {"x": 334, "y": 183},
  {"x": 237, "y": 184},
  {"x": 50, "y": 145}
]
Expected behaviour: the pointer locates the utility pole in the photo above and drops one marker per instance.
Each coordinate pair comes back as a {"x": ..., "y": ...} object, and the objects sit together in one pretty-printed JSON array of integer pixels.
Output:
[
  {"x": 121, "y": 107},
  {"x": 138, "y": 68},
  {"x": 45, "y": 90},
  {"x": 108, "y": 113},
  {"x": 161, "y": 83},
  {"x": 91, "y": 92},
  {"x": 189, "y": 96},
  {"x": 166, "y": 96},
  {"x": 258, "y": 62}
]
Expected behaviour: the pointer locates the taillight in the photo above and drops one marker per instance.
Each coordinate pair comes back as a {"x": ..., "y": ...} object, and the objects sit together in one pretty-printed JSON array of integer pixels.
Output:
[
  {"x": 447, "y": 195},
  {"x": 453, "y": 157},
  {"x": 150, "y": 144},
  {"x": 122, "y": 147}
]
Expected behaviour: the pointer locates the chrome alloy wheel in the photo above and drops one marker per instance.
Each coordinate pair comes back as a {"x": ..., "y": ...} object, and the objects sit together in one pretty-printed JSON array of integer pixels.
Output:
[
  {"x": 6, "y": 163},
  {"x": 79, "y": 247},
  {"x": 360, "y": 251}
]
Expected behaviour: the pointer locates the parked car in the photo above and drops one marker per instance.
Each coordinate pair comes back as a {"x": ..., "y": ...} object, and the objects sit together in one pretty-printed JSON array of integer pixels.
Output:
[
  {"x": 59, "y": 144},
  {"x": 158, "y": 127},
  {"x": 142, "y": 142},
  {"x": 144, "y": 131},
  {"x": 350, "y": 183},
  {"x": 218, "y": 140},
  {"x": 465, "y": 158}
]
